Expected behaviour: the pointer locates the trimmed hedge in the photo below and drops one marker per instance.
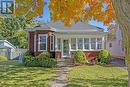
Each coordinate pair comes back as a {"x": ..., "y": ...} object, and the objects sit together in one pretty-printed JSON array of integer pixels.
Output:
[
  {"x": 104, "y": 56},
  {"x": 42, "y": 60},
  {"x": 3, "y": 58},
  {"x": 80, "y": 57}
]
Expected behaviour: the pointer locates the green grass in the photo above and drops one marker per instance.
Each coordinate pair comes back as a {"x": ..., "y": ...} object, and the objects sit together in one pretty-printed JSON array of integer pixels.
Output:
[
  {"x": 14, "y": 74},
  {"x": 98, "y": 76}
]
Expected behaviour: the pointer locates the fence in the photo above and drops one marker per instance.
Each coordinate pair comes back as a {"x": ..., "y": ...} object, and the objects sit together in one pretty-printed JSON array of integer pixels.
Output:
[{"x": 13, "y": 54}]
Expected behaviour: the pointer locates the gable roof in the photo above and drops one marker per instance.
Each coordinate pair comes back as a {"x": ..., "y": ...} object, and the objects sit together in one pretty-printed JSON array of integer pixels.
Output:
[{"x": 60, "y": 27}]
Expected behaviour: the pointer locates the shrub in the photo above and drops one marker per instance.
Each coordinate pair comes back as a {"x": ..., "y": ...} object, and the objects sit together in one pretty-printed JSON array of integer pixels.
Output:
[
  {"x": 104, "y": 56},
  {"x": 44, "y": 55},
  {"x": 3, "y": 58},
  {"x": 29, "y": 61},
  {"x": 47, "y": 62},
  {"x": 42, "y": 60},
  {"x": 80, "y": 57}
]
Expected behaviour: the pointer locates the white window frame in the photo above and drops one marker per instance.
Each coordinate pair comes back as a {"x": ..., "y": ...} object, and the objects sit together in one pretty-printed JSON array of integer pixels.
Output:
[
  {"x": 82, "y": 44},
  {"x": 87, "y": 43},
  {"x": 60, "y": 44},
  {"x": 100, "y": 43},
  {"x": 52, "y": 43},
  {"x": 75, "y": 44},
  {"x": 39, "y": 35},
  {"x": 92, "y": 43}
]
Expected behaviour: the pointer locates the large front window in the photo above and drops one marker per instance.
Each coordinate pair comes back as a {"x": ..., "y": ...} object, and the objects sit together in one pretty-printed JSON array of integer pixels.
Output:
[
  {"x": 58, "y": 43},
  {"x": 99, "y": 43},
  {"x": 80, "y": 43},
  {"x": 73, "y": 43},
  {"x": 86, "y": 43},
  {"x": 42, "y": 42},
  {"x": 93, "y": 43}
]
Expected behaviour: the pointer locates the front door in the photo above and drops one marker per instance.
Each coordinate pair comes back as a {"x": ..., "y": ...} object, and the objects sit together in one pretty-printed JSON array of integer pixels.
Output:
[{"x": 65, "y": 48}]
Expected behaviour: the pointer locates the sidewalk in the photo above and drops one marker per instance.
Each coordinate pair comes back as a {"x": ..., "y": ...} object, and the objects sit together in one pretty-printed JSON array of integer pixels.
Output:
[{"x": 63, "y": 68}]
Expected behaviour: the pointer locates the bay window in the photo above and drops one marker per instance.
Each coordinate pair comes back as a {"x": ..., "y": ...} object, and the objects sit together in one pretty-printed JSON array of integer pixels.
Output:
[
  {"x": 93, "y": 43},
  {"x": 52, "y": 43},
  {"x": 86, "y": 43},
  {"x": 99, "y": 43},
  {"x": 73, "y": 43},
  {"x": 80, "y": 43},
  {"x": 42, "y": 42}
]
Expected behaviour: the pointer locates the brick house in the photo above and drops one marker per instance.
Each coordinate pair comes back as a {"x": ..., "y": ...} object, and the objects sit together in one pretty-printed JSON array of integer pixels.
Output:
[{"x": 62, "y": 41}]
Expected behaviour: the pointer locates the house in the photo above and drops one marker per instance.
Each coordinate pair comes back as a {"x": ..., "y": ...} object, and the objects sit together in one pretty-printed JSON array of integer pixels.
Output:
[
  {"x": 63, "y": 41},
  {"x": 114, "y": 43},
  {"x": 6, "y": 49}
]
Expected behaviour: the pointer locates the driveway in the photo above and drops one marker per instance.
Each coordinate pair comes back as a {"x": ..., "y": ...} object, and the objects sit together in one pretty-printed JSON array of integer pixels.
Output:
[{"x": 119, "y": 62}]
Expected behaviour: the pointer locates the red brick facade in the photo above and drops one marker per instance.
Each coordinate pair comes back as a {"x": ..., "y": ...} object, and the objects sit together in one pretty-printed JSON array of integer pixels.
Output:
[{"x": 35, "y": 52}]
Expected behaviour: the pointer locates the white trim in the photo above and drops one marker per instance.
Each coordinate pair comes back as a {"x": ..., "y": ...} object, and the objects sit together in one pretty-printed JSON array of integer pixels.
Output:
[
  {"x": 56, "y": 45},
  {"x": 52, "y": 43},
  {"x": 96, "y": 44},
  {"x": 39, "y": 42},
  {"x": 34, "y": 42}
]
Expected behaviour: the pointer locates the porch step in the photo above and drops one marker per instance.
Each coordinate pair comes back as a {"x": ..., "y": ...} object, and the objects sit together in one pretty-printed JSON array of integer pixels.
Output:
[{"x": 65, "y": 62}]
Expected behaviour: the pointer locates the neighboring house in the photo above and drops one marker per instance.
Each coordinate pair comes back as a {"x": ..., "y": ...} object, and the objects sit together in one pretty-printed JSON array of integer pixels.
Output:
[
  {"x": 114, "y": 44},
  {"x": 62, "y": 41},
  {"x": 6, "y": 49}
]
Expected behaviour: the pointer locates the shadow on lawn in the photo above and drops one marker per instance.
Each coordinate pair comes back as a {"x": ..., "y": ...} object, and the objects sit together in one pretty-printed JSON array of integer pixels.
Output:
[
  {"x": 14, "y": 74},
  {"x": 102, "y": 82}
]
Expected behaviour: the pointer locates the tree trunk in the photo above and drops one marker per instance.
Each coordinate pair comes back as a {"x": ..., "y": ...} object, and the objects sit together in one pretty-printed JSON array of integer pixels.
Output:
[{"x": 122, "y": 10}]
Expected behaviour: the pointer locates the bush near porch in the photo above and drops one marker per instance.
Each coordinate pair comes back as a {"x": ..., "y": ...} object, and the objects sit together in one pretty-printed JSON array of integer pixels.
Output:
[
  {"x": 80, "y": 57},
  {"x": 104, "y": 57},
  {"x": 42, "y": 60}
]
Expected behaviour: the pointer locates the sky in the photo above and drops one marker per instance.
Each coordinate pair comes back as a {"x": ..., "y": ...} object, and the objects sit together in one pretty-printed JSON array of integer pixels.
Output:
[{"x": 46, "y": 17}]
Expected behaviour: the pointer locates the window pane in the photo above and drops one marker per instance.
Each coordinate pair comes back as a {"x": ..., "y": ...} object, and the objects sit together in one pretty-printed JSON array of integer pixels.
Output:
[
  {"x": 99, "y": 46},
  {"x": 93, "y": 43},
  {"x": 80, "y": 43},
  {"x": 42, "y": 42},
  {"x": 43, "y": 46},
  {"x": 99, "y": 40},
  {"x": 58, "y": 44},
  {"x": 73, "y": 43},
  {"x": 86, "y": 43},
  {"x": 99, "y": 43},
  {"x": 42, "y": 38},
  {"x": 52, "y": 42}
]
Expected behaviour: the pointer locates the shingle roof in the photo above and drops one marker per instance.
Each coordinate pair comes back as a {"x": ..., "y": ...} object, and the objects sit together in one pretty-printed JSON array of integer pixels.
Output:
[
  {"x": 59, "y": 27},
  {"x": 80, "y": 26}
]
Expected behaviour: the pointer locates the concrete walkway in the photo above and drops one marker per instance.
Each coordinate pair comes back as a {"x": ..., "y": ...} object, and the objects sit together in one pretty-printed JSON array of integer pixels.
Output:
[{"x": 63, "y": 67}]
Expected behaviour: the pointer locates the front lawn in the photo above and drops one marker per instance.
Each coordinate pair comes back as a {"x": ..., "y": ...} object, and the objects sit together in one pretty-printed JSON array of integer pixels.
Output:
[
  {"x": 14, "y": 74},
  {"x": 98, "y": 76}
]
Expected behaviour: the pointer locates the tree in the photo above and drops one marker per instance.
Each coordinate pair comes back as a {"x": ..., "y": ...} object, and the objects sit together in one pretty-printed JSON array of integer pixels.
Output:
[
  {"x": 29, "y": 8},
  {"x": 12, "y": 29},
  {"x": 84, "y": 10},
  {"x": 122, "y": 10}
]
